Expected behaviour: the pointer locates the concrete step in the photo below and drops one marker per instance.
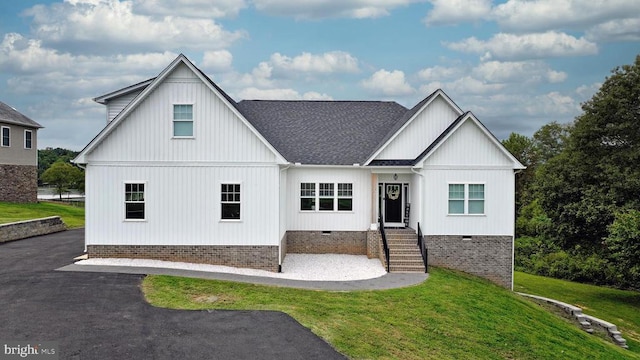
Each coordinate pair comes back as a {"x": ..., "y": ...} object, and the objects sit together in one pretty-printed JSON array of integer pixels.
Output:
[
  {"x": 402, "y": 251},
  {"x": 406, "y": 269}
]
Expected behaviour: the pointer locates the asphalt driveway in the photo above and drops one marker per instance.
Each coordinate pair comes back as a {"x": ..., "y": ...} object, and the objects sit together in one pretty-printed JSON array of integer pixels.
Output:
[{"x": 104, "y": 316}]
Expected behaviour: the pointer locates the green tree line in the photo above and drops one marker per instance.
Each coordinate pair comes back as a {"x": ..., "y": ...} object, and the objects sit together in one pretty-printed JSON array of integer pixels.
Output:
[
  {"x": 578, "y": 201},
  {"x": 55, "y": 169}
]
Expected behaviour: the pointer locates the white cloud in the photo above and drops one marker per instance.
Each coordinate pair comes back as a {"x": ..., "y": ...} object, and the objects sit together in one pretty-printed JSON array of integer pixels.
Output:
[
  {"x": 553, "y": 103},
  {"x": 190, "y": 8},
  {"x": 439, "y": 73},
  {"x": 586, "y": 92},
  {"x": 616, "y": 30},
  {"x": 329, "y": 62},
  {"x": 108, "y": 25},
  {"x": 253, "y": 93},
  {"x": 527, "y": 46},
  {"x": 541, "y": 15},
  {"x": 318, "y": 9},
  {"x": 447, "y": 12},
  {"x": 217, "y": 61},
  {"x": 390, "y": 83},
  {"x": 517, "y": 72}
]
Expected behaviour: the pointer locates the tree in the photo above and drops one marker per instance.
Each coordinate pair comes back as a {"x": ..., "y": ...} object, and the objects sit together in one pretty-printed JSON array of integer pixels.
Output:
[
  {"x": 597, "y": 173},
  {"x": 550, "y": 140},
  {"x": 624, "y": 244},
  {"x": 523, "y": 149},
  {"x": 48, "y": 156},
  {"x": 63, "y": 176}
]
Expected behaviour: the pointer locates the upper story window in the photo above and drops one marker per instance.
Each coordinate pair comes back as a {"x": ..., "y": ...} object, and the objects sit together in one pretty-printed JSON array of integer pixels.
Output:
[
  {"x": 134, "y": 201},
  {"x": 230, "y": 201},
  {"x": 28, "y": 134},
  {"x": 324, "y": 197},
  {"x": 466, "y": 199},
  {"x": 182, "y": 120},
  {"x": 6, "y": 136}
]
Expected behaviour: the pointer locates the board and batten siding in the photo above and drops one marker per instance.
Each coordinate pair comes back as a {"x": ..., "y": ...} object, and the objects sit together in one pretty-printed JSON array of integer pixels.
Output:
[
  {"x": 421, "y": 132},
  {"x": 147, "y": 133},
  {"x": 356, "y": 220},
  {"x": 182, "y": 205},
  {"x": 115, "y": 105}
]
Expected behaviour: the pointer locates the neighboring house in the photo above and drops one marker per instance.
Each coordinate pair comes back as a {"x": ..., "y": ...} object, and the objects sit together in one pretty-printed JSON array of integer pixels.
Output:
[
  {"x": 18, "y": 156},
  {"x": 183, "y": 172}
]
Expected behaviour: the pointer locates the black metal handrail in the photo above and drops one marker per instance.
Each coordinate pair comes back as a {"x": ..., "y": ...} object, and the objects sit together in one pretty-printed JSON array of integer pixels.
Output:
[
  {"x": 423, "y": 250},
  {"x": 385, "y": 246}
]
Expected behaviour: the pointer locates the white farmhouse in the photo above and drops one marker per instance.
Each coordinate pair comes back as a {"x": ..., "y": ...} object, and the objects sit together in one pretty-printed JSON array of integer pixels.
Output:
[{"x": 182, "y": 172}]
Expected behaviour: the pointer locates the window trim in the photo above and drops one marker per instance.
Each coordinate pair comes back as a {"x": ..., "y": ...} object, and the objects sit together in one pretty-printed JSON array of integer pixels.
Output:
[
  {"x": 466, "y": 198},
  {"x": 239, "y": 183},
  {"x": 124, "y": 193},
  {"x": 30, "y": 140},
  {"x": 173, "y": 121},
  {"x": 316, "y": 197},
  {"x": 2, "y": 136}
]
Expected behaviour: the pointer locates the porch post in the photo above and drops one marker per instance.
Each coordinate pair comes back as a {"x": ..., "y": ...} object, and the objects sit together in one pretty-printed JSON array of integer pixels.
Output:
[{"x": 374, "y": 198}]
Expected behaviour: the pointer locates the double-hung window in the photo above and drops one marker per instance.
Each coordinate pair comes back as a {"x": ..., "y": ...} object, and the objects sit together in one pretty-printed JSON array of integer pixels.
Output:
[
  {"x": 326, "y": 197},
  {"x": 466, "y": 199},
  {"x": 183, "y": 120},
  {"x": 230, "y": 201},
  {"x": 6, "y": 136},
  {"x": 28, "y": 135},
  {"x": 134, "y": 201}
]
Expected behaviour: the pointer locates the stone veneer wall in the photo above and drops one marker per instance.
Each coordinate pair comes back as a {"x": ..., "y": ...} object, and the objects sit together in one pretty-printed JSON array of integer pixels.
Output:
[
  {"x": 254, "y": 257},
  {"x": 25, "y": 229},
  {"x": 490, "y": 257},
  {"x": 19, "y": 183},
  {"x": 335, "y": 242}
]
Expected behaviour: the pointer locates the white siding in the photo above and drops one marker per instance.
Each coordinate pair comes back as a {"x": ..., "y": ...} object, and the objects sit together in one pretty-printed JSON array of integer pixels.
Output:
[
  {"x": 356, "y": 220},
  {"x": 499, "y": 203},
  {"x": 468, "y": 146},
  {"x": 421, "y": 132},
  {"x": 114, "y": 106},
  {"x": 182, "y": 206},
  {"x": 146, "y": 135}
]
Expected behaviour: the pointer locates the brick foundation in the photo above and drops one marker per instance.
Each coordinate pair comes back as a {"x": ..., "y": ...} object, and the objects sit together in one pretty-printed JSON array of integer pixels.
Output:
[
  {"x": 19, "y": 183},
  {"x": 490, "y": 257},
  {"x": 254, "y": 257},
  {"x": 335, "y": 242}
]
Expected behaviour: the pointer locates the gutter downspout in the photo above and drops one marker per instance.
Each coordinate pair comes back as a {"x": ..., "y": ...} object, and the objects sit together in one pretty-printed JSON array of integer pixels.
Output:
[{"x": 279, "y": 214}]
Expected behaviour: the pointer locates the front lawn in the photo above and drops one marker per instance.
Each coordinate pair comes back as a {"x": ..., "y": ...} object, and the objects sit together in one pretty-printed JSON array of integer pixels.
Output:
[
  {"x": 450, "y": 316},
  {"x": 72, "y": 216}
]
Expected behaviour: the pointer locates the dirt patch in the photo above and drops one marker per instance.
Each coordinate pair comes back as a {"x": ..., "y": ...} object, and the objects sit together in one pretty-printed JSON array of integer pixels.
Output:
[{"x": 210, "y": 299}]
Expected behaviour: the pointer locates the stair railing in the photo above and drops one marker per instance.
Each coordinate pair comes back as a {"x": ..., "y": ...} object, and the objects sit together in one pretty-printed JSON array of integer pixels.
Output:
[
  {"x": 423, "y": 249},
  {"x": 385, "y": 246}
]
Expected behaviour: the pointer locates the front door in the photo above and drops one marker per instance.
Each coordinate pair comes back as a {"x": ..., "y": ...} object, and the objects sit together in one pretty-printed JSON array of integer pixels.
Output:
[{"x": 393, "y": 203}]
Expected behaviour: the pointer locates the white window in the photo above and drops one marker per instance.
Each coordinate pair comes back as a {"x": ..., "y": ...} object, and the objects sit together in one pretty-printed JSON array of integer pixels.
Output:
[
  {"x": 183, "y": 120},
  {"x": 28, "y": 134},
  {"x": 230, "y": 201},
  {"x": 6, "y": 136},
  {"x": 134, "y": 201},
  {"x": 326, "y": 197},
  {"x": 466, "y": 199}
]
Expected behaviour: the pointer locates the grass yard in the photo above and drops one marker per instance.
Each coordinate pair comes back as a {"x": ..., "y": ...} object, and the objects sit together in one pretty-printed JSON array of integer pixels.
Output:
[
  {"x": 71, "y": 215},
  {"x": 450, "y": 316},
  {"x": 616, "y": 306}
]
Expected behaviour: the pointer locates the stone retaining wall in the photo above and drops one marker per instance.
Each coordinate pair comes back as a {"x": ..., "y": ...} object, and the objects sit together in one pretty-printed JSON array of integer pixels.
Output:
[
  {"x": 490, "y": 257},
  {"x": 254, "y": 257},
  {"x": 25, "y": 229},
  {"x": 19, "y": 183},
  {"x": 332, "y": 242}
]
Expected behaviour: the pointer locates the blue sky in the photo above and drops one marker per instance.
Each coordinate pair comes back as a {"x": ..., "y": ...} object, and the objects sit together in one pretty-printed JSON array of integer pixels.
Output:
[{"x": 515, "y": 64}]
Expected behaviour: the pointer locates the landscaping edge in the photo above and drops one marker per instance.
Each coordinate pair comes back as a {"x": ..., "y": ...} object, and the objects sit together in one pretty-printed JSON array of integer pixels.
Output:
[{"x": 29, "y": 228}]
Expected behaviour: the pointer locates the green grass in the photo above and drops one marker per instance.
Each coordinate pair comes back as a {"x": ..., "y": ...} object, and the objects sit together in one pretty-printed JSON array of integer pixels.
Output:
[
  {"x": 450, "y": 316},
  {"x": 72, "y": 216},
  {"x": 616, "y": 306}
]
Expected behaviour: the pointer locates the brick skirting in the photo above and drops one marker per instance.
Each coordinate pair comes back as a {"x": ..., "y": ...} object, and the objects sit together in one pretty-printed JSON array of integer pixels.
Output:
[
  {"x": 254, "y": 257},
  {"x": 490, "y": 257},
  {"x": 28, "y": 228},
  {"x": 19, "y": 183},
  {"x": 334, "y": 242}
]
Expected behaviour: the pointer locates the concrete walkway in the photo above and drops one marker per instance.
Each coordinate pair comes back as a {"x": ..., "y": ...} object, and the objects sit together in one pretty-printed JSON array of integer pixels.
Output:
[{"x": 387, "y": 281}]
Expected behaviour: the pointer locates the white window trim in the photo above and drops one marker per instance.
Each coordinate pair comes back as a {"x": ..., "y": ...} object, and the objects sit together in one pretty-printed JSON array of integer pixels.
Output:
[
  {"x": 193, "y": 121},
  {"x": 2, "y": 136},
  {"x": 466, "y": 198},
  {"x": 231, "y": 202},
  {"x": 25, "y": 139},
  {"x": 317, "y": 197},
  {"x": 124, "y": 201}
]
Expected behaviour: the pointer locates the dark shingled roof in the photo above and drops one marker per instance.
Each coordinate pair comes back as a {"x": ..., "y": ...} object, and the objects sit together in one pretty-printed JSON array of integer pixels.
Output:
[
  {"x": 10, "y": 115},
  {"x": 323, "y": 132}
]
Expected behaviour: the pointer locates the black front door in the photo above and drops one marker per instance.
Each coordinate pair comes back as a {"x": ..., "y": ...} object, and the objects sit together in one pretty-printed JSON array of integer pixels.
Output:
[{"x": 393, "y": 203}]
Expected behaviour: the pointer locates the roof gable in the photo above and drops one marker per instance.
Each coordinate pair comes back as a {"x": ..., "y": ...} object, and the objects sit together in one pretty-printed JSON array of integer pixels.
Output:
[
  {"x": 10, "y": 115},
  {"x": 149, "y": 88}
]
